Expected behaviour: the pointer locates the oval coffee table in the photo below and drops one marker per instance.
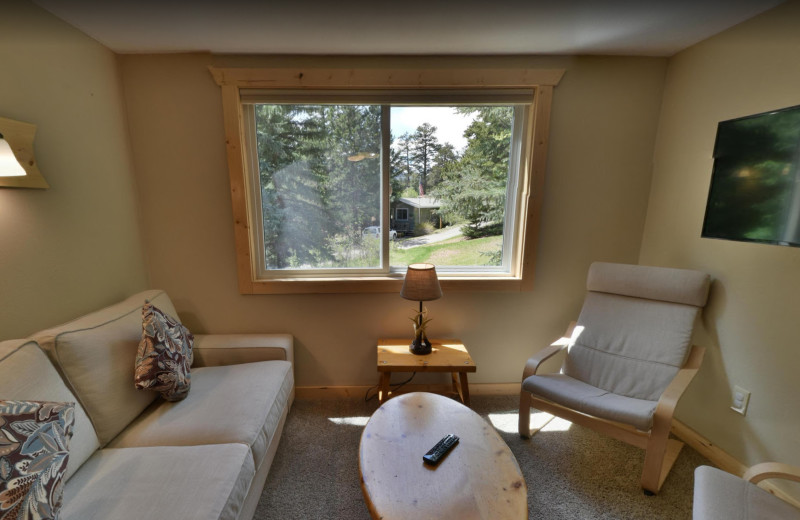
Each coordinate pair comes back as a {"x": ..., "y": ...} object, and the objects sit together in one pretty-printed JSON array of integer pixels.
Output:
[{"x": 478, "y": 479}]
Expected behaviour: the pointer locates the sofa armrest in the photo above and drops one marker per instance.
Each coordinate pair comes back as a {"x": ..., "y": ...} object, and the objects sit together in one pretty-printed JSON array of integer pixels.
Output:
[{"x": 231, "y": 349}]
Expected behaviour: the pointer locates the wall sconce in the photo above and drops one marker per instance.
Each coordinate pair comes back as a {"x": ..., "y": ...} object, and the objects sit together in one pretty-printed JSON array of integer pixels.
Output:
[{"x": 17, "y": 163}]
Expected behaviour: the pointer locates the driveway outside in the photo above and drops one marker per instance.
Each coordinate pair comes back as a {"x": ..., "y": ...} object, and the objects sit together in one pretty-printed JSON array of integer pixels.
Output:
[{"x": 438, "y": 236}]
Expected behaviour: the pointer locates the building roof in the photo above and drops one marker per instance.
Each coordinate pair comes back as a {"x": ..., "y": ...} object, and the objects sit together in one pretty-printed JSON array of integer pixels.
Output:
[{"x": 424, "y": 202}]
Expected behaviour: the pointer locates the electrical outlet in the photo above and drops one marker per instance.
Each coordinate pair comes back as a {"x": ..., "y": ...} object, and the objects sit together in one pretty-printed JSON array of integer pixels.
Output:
[{"x": 741, "y": 398}]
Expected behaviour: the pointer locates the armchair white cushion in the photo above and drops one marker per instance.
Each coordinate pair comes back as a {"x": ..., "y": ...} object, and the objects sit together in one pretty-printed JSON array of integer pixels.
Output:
[{"x": 721, "y": 496}]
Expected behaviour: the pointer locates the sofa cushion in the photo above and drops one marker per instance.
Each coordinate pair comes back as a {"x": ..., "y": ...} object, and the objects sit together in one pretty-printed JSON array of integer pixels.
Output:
[
  {"x": 34, "y": 451},
  {"x": 164, "y": 357},
  {"x": 234, "y": 403},
  {"x": 718, "y": 495},
  {"x": 176, "y": 483},
  {"x": 589, "y": 399},
  {"x": 96, "y": 354},
  {"x": 27, "y": 375}
]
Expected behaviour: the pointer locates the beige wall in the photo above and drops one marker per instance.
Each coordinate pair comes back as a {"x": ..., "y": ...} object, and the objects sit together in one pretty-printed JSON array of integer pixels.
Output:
[
  {"x": 751, "y": 324},
  {"x": 76, "y": 246},
  {"x": 603, "y": 131}
]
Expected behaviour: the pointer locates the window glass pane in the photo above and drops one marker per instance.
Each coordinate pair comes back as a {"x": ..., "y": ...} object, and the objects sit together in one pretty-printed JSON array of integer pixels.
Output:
[
  {"x": 449, "y": 178},
  {"x": 320, "y": 176}
]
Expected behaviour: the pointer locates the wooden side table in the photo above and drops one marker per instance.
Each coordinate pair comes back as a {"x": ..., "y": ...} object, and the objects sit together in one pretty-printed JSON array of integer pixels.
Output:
[{"x": 447, "y": 355}]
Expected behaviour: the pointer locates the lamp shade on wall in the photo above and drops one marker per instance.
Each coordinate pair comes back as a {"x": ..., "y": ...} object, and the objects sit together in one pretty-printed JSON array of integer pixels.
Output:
[
  {"x": 17, "y": 163},
  {"x": 421, "y": 283},
  {"x": 9, "y": 167}
]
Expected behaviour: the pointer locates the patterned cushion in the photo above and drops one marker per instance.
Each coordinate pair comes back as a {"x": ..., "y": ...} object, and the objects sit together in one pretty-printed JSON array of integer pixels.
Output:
[
  {"x": 164, "y": 356},
  {"x": 34, "y": 450}
]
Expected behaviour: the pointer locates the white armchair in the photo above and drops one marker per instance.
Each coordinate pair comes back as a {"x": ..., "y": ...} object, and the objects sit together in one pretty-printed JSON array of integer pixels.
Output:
[
  {"x": 629, "y": 359},
  {"x": 721, "y": 496}
]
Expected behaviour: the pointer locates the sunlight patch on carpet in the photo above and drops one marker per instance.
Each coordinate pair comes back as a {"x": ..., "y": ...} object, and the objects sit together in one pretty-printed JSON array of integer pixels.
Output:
[
  {"x": 509, "y": 422},
  {"x": 349, "y": 421}
]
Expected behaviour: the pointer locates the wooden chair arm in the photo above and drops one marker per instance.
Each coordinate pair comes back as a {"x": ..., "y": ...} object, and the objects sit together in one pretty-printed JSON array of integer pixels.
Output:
[
  {"x": 767, "y": 470},
  {"x": 669, "y": 399},
  {"x": 532, "y": 365}
]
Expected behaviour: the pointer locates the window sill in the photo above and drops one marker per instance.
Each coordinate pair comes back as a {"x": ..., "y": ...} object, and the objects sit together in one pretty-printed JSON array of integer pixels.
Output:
[{"x": 379, "y": 284}]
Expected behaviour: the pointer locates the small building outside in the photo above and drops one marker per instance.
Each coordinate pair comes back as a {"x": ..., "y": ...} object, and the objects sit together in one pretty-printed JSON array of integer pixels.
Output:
[{"x": 407, "y": 212}]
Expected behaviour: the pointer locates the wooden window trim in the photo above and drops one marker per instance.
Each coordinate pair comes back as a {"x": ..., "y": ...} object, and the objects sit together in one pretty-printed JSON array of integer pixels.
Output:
[{"x": 532, "y": 173}]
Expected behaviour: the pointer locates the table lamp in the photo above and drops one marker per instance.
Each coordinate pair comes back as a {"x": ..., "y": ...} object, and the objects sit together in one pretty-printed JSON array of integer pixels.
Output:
[{"x": 422, "y": 285}]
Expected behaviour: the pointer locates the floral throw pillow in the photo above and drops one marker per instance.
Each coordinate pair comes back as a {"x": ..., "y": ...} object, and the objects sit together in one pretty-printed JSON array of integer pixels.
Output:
[
  {"x": 164, "y": 355},
  {"x": 34, "y": 450}
]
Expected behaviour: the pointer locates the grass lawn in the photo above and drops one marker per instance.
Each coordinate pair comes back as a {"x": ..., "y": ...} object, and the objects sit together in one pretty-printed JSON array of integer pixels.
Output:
[{"x": 451, "y": 252}]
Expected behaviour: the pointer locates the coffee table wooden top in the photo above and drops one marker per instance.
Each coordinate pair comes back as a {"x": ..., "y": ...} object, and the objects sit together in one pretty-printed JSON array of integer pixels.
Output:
[
  {"x": 478, "y": 479},
  {"x": 447, "y": 355}
]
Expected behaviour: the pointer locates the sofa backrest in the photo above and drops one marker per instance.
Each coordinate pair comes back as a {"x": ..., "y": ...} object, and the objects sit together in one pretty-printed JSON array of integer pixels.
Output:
[
  {"x": 635, "y": 328},
  {"x": 27, "y": 375},
  {"x": 96, "y": 355}
]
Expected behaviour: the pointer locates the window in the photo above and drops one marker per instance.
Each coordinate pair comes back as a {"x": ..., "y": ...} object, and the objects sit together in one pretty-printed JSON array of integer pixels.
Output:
[{"x": 316, "y": 174}]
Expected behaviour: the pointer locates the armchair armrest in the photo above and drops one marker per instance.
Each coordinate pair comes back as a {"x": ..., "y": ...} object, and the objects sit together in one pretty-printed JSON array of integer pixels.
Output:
[
  {"x": 767, "y": 470},
  {"x": 669, "y": 399},
  {"x": 532, "y": 365},
  {"x": 232, "y": 349}
]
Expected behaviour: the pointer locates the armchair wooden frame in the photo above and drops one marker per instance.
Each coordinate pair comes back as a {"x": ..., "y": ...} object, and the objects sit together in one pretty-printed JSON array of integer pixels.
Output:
[
  {"x": 660, "y": 451},
  {"x": 766, "y": 470}
]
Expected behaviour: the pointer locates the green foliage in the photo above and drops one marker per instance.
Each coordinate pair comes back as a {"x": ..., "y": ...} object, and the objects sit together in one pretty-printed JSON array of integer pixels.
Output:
[
  {"x": 423, "y": 228},
  {"x": 474, "y": 188},
  {"x": 319, "y": 169},
  {"x": 418, "y": 159},
  {"x": 320, "y": 182},
  {"x": 425, "y": 146},
  {"x": 402, "y": 173},
  {"x": 446, "y": 159},
  {"x": 367, "y": 252}
]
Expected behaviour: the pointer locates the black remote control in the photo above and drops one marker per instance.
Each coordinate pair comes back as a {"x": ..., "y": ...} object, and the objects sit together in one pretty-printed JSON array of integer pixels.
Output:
[{"x": 438, "y": 451}]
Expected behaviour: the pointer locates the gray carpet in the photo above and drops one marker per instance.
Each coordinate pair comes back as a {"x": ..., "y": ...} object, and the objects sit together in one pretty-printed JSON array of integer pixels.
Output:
[{"x": 571, "y": 474}]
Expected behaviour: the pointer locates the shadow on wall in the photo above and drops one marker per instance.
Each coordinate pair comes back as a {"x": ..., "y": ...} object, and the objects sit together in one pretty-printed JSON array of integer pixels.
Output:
[{"x": 712, "y": 395}]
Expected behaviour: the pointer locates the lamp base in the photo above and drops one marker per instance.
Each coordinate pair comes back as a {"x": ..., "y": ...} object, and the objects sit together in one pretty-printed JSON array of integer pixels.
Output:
[{"x": 420, "y": 346}]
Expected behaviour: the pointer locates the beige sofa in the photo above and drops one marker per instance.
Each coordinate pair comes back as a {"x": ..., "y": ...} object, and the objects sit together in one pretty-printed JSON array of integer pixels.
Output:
[{"x": 134, "y": 455}]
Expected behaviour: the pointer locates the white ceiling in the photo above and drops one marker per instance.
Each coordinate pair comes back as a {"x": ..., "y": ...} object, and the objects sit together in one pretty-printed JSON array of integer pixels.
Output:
[{"x": 622, "y": 27}]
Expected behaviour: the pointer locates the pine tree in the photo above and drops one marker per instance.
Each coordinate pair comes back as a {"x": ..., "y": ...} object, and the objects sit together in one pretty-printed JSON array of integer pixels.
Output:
[
  {"x": 475, "y": 188},
  {"x": 446, "y": 159},
  {"x": 402, "y": 167},
  {"x": 354, "y": 180},
  {"x": 291, "y": 144},
  {"x": 424, "y": 146}
]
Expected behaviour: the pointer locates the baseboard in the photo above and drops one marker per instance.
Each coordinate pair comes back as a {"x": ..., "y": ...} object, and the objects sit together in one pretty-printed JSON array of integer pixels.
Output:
[
  {"x": 723, "y": 460},
  {"x": 349, "y": 392},
  {"x": 707, "y": 449}
]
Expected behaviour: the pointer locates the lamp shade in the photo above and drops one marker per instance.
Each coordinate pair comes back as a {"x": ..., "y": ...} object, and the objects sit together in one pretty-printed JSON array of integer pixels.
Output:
[
  {"x": 17, "y": 163},
  {"x": 9, "y": 167},
  {"x": 421, "y": 283}
]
